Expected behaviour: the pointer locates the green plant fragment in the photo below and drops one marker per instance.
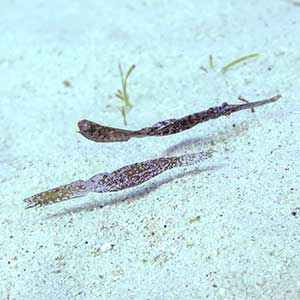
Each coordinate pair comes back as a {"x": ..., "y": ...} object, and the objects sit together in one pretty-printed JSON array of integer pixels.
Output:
[
  {"x": 122, "y": 94},
  {"x": 237, "y": 61}
]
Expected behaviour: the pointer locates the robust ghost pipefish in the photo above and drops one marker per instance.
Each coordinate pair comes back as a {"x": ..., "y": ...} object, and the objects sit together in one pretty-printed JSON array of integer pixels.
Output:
[
  {"x": 123, "y": 178},
  {"x": 102, "y": 134}
]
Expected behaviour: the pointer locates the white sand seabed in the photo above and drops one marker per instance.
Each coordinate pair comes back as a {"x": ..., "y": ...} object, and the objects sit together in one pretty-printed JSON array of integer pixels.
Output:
[{"x": 227, "y": 228}]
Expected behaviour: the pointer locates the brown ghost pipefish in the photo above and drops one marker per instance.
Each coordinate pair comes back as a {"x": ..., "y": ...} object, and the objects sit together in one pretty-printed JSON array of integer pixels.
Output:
[
  {"x": 101, "y": 134},
  {"x": 123, "y": 178}
]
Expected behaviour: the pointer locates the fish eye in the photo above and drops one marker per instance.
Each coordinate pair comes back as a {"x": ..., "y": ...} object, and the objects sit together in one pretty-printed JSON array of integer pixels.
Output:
[{"x": 224, "y": 104}]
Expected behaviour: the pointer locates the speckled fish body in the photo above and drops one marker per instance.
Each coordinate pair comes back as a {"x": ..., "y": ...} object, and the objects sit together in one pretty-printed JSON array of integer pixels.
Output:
[
  {"x": 103, "y": 134},
  {"x": 137, "y": 173},
  {"x": 123, "y": 178}
]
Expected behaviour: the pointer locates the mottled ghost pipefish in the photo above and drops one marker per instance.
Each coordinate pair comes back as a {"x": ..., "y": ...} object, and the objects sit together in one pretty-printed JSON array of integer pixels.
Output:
[
  {"x": 103, "y": 134},
  {"x": 123, "y": 178}
]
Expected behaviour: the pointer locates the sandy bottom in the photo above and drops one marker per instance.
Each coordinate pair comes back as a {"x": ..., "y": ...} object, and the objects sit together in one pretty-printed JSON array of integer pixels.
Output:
[{"x": 227, "y": 228}]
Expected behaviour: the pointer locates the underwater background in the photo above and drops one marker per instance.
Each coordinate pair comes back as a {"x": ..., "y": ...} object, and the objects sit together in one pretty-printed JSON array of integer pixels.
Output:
[{"x": 225, "y": 228}]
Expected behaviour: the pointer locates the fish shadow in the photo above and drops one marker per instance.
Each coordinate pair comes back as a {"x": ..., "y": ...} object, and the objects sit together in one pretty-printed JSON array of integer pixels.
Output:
[{"x": 228, "y": 133}]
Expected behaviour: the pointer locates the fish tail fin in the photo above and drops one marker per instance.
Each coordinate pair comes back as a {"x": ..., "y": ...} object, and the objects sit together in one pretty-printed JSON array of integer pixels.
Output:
[{"x": 69, "y": 191}]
